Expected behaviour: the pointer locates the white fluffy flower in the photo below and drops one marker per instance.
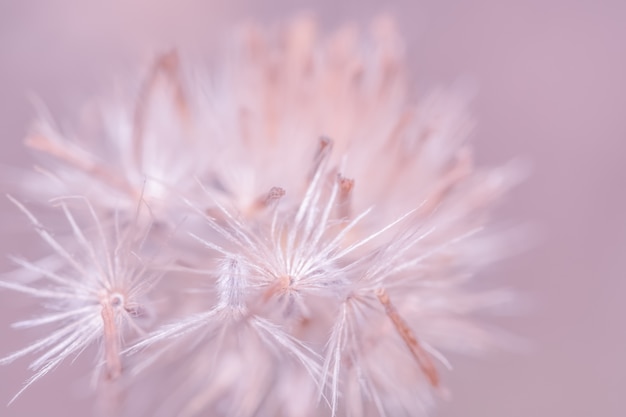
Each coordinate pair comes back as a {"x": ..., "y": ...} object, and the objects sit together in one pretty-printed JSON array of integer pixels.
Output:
[
  {"x": 94, "y": 295},
  {"x": 333, "y": 227}
]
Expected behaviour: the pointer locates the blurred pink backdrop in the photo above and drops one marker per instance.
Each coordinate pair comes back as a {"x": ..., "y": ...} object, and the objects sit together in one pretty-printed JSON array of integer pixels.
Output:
[{"x": 551, "y": 78}]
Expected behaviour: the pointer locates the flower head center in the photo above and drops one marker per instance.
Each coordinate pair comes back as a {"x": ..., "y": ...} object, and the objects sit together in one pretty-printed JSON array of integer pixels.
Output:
[{"x": 116, "y": 300}]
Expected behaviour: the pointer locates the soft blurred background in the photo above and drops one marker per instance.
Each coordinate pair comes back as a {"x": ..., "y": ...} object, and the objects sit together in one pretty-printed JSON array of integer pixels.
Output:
[{"x": 551, "y": 82}]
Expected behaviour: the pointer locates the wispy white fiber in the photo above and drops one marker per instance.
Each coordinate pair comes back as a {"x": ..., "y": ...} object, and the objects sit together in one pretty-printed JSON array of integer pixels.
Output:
[{"x": 292, "y": 234}]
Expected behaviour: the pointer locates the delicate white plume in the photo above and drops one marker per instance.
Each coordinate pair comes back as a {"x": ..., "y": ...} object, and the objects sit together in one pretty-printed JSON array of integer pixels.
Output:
[{"x": 291, "y": 235}]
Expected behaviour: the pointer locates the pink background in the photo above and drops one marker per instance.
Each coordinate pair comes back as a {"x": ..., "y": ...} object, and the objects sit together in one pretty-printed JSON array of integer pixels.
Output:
[{"x": 551, "y": 79}]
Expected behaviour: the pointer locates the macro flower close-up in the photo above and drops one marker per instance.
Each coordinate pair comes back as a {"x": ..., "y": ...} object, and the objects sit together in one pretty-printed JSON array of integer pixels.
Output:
[
  {"x": 336, "y": 225},
  {"x": 291, "y": 225}
]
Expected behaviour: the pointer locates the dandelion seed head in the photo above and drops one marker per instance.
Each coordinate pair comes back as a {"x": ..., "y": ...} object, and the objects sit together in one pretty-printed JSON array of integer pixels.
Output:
[
  {"x": 92, "y": 296},
  {"x": 321, "y": 228}
]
